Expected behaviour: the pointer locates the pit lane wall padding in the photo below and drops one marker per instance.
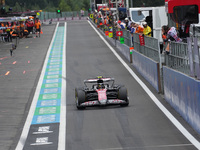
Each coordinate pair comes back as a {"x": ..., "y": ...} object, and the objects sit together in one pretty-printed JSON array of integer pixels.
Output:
[
  {"x": 183, "y": 94},
  {"x": 148, "y": 68}
]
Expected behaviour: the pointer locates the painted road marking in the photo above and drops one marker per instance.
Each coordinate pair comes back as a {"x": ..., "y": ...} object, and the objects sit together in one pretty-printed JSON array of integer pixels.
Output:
[
  {"x": 178, "y": 125},
  {"x": 42, "y": 141},
  {"x": 42, "y": 130},
  {"x": 48, "y": 104},
  {"x": 7, "y": 73}
]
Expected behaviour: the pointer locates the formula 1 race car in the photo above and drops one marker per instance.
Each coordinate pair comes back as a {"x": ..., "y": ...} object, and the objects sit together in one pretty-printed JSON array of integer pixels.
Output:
[{"x": 101, "y": 92}]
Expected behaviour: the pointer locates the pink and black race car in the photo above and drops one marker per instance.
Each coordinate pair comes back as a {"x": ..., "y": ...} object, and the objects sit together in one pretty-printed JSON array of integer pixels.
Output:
[{"x": 101, "y": 91}]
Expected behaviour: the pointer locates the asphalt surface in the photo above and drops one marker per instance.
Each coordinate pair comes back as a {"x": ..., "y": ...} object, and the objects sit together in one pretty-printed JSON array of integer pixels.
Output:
[
  {"x": 140, "y": 126},
  {"x": 18, "y": 86}
]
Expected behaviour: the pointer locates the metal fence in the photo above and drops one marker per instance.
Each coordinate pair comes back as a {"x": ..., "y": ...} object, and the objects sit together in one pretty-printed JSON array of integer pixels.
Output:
[
  {"x": 150, "y": 49},
  {"x": 52, "y": 15},
  {"x": 178, "y": 59},
  {"x": 127, "y": 38}
]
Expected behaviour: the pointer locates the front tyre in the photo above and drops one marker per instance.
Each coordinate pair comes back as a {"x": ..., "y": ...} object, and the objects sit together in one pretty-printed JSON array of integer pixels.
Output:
[
  {"x": 123, "y": 95},
  {"x": 80, "y": 98}
]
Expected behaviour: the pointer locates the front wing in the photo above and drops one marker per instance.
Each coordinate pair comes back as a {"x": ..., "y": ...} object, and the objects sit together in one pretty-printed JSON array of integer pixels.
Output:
[{"x": 108, "y": 102}]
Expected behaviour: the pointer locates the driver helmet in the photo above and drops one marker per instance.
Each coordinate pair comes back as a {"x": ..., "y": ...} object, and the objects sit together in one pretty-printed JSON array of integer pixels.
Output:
[{"x": 100, "y": 86}]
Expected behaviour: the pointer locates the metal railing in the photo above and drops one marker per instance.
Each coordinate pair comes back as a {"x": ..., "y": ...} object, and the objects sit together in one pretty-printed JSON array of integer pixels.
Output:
[
  {"x": 52, "y": 15},
  {"x": 150, "y": 49},
  {"x": 178, "y": 59},
  {"x": 127, "y": 37}
]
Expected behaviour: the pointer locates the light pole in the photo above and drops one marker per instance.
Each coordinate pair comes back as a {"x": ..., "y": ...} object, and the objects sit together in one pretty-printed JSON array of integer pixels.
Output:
[
  {"x": 127, "y": 4},
  {"x": 127, "y": 7},
  {"x": 117, "y": 9}
]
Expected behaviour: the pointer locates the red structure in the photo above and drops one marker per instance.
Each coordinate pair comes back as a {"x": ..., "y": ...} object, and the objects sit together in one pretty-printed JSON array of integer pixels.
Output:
[
  {"x": 112, "y": 5},
  {"x": 174, "y": 3},
  {"x": 183, "y": 11}
]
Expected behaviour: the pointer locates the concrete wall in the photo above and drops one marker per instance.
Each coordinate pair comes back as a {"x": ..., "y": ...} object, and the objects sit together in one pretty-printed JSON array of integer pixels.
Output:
[
  {"x": 183, "y": 93},
  {"x": 148, "y": 68}
]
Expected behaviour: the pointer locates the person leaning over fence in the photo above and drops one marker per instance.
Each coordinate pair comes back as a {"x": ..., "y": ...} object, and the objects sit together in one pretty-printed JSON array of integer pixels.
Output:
[
  {"x": 138, "y": 28},
  {"x": 132, "y": 30},
  {"x": 147, "y": 29},
  {"x": 172, "y": 35},
  {"x": 127, "y": 23}
]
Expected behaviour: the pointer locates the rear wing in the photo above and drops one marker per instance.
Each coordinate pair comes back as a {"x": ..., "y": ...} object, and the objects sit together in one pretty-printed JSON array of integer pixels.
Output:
[{"x": 95, "y": 80}]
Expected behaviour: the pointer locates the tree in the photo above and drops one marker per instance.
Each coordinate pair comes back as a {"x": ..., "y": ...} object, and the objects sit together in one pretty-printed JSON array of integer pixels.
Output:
[
  {"x": 49, "y": 5},
  {"x": 17, "y": 7},
  {"x": 63, "y": 6},
  {"x": 86, "y": 4}
]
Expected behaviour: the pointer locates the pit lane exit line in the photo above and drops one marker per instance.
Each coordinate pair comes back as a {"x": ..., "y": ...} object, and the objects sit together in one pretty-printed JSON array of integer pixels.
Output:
[
  {"x": 49, "y": 101},
  {"x": 178, "y": 125}
]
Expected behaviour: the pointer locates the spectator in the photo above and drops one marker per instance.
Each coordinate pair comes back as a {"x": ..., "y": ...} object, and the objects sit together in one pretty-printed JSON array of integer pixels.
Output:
[
  {"x": 138, "y": 28},
  {"x": 147, "y": 29},
  {"x": 132, "y": 30},
  {"x": 126, "y": 22},
  {"x": 171, "y": 36},
  {"x": 164, "y": 33},
  {"x": 121, "y": 25},
  {"x": 164, "y": 37}
]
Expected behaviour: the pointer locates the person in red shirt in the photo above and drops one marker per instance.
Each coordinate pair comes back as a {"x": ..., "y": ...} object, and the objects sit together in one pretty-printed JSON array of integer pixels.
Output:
[{"x": 31, "y": 24}]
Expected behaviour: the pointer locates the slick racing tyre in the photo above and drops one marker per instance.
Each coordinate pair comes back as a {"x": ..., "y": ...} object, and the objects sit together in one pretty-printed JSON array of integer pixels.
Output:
[
  {"x": 123, "y": 95},
  {"x": 80, "y": 98}
]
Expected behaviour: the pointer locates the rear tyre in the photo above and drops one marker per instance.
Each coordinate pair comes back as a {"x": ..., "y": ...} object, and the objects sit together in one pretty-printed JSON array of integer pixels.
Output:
[
  {"x": 80, "y": 98},
  {"x": 123, "y": 95}
]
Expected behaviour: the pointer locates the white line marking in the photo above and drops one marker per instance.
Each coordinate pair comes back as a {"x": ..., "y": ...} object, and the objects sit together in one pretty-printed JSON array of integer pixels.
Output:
[
  {"x": 62, "y": 130},
  {"x": 27, "y": 125},
  {"x": 152, "y": 96}
]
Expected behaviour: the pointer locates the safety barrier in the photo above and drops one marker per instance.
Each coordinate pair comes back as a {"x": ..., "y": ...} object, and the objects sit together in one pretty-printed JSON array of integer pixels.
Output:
[
  {"x": 182, "y": 93},
  {"x": 150, "y": 48},
  {"x": 178, "y": 57},
  {"x": 72, "y": 15},
  {"x": 150, "y": 72},
  {"x": 180, "y": 90},
  {"x": 148, "y": 68}
]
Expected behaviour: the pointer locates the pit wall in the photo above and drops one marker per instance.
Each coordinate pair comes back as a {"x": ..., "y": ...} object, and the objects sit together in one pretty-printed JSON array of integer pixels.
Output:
[
  {"x": 180, "y": 91},
  {"x": 183, "y": 94}
]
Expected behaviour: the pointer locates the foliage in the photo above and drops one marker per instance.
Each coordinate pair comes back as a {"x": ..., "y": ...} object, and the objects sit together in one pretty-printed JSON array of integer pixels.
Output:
[
  {"x": 48, "y": 5},
  {"x": 148, "y": 3},
  {"x": 67, "y": 5}
]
